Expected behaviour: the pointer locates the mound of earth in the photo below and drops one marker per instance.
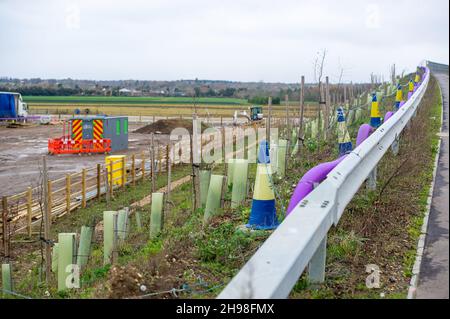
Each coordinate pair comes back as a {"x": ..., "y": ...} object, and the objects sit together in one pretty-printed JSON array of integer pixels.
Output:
[
  {"x": 167, "y": 126},
  {"x": 124, "y": 281}
]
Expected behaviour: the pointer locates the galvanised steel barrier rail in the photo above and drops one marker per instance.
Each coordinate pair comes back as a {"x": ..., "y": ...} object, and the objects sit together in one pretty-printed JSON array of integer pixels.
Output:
[
  {"x": 437, "y": 67},
  {"x": 300, "y": 240}
]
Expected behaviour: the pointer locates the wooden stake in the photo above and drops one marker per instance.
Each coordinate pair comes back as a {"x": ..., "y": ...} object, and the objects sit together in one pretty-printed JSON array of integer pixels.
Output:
[
  {"x": 269, "y": 119},
  {"x": 124, "y": 172},
  {"x": 143, "y": 165},
  {"x": 192, "y": 165},
  {"x": 167, "y": 157},
  {"x": 47, "y": 222},
  {"x": 327, "y": 106},
  {"x": 107, "y": 192},
  {"x": 5, "y": 226},
  {"x": 111, "y": 182},
  {"x": 345, "y": 92},
  {"x": 99, "y": 180},
  {"x": 158, "y": 165},
  {"x": 288, "y": 129},
  {"x": 152, "y": 166},
  {"x": 68, "y": 177},
  {"x": 302, "y": 109},
  {"x": 133, "y": 169},
  {"x": 169, "y": 176},
  {"x": 195, "y": 165},
  {"x": 83, "y": 188},
  {"x": 50, "y": 199},
  {"x": 29, "y": 209},
  {"x": 225, "y": 164}
]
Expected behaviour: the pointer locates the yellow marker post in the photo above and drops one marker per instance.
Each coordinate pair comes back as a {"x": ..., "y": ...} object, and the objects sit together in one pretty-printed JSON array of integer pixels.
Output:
[
  {"x": 375, "y": 116},
  {"x": 398, "y": 96},
  {"x": 411, "y": 86},
  {"x": 417, "y": 79}
]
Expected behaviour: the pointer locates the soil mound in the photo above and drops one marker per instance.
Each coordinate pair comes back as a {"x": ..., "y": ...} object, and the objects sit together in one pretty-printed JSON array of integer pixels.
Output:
[{"x": 167, "y": 126}]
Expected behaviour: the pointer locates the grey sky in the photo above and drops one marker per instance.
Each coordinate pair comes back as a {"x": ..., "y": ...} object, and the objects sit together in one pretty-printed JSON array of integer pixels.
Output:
[{"x": 246, "y": 40}]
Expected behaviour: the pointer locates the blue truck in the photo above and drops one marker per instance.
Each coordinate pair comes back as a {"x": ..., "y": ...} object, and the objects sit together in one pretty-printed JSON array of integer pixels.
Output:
[{"x": 12, "y": 106}]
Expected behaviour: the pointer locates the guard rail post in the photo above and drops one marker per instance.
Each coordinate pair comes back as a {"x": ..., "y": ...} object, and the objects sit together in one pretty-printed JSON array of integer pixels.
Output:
[{"x": 316, "y": 266}]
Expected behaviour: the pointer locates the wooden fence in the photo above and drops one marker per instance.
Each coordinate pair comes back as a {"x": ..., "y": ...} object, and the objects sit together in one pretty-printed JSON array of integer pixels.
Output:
[{"x": 22, "y": 211}]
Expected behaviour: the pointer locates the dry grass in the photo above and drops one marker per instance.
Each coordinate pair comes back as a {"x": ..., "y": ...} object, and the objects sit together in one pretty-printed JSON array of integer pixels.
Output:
[{"x": 165, "y": 110}]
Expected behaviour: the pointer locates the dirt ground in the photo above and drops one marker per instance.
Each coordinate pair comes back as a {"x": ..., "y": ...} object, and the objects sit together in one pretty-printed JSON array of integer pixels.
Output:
[
  {"x": 166, "y": 126},
  {"x": 21, "y": 150}
]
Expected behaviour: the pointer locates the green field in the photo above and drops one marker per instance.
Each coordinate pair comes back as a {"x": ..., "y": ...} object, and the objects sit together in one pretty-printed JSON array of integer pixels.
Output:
[
  {"x": 131, "y": 100},
  {"x": 152, "y": 106}
]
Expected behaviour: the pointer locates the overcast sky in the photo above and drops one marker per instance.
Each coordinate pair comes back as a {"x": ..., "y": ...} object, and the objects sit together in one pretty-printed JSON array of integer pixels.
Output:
[{"x": 245, "y": 40}]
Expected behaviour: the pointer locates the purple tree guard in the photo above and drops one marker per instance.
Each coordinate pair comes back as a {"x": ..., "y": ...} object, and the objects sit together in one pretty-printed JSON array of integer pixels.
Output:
[
  {"x": 364, "y": 131},
  {"x": 409, "y": 95},
  {"x": 318, "y": 173},
  {"x": 315, "y": 175},
  {"x": 388, "y": 116}
]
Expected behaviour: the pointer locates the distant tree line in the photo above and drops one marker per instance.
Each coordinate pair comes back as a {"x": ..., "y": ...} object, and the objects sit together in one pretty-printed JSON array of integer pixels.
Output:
[
  {"x": 43, "y": 91},
  {"x": 262, "y": 100},
  {"x": 227, "y": 92}
]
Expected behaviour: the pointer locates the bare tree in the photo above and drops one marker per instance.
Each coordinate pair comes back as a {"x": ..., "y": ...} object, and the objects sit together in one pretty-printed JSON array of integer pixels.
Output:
[{"x": 318, "y": 65}]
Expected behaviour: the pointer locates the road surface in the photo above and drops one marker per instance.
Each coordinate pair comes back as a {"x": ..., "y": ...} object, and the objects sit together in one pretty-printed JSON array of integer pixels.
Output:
[{"x": 433, "y": 280}]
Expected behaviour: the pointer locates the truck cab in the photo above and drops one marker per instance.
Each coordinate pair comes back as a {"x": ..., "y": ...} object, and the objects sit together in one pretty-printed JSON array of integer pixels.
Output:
[
  {"x": 256, "y": 113},
  {"x": 12, "y": 105}
]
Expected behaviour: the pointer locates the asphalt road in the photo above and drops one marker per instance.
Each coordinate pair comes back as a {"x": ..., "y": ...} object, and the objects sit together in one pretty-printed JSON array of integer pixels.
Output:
[{"x": 433, "y": 278}]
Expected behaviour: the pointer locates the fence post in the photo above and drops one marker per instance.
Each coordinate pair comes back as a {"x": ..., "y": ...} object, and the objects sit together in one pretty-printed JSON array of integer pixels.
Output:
[
  {"x": 169, "y": 176},
  {"x": 225, "y": 169},
  {"x": 152, "y": 164},
  {"x": 133, "y": 169},
  {"x": 327, "y": 107},
  {"x": 269, "y": 119},
  {"x": 68, "y": 193},
  {"x": 167, "y": 157},
  {"x": 143, "y": 165},
  {"x": 316, "y": 268},
  {"x": 99, "y": 178},
  {"x": 158, "y": 165},
  {"x": 286, "y": 98},
  {"x": 107, "y": 192},
  {"x": 50, "y": 200},
  {"x": 196, "y": 160},
  {"x": 124, "y": 172},
  {"x": 47, "y": 222},
  {"x": 5, "y": 225},
  {"x": 111, "y": 182},
  {"x": 29, "y": 209},
  {"x": 302, "y": 110},
  {"x": 83, "y": 188},
  {"x": 395, "y": 145},
  {"x": 372, "y": 180}
]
